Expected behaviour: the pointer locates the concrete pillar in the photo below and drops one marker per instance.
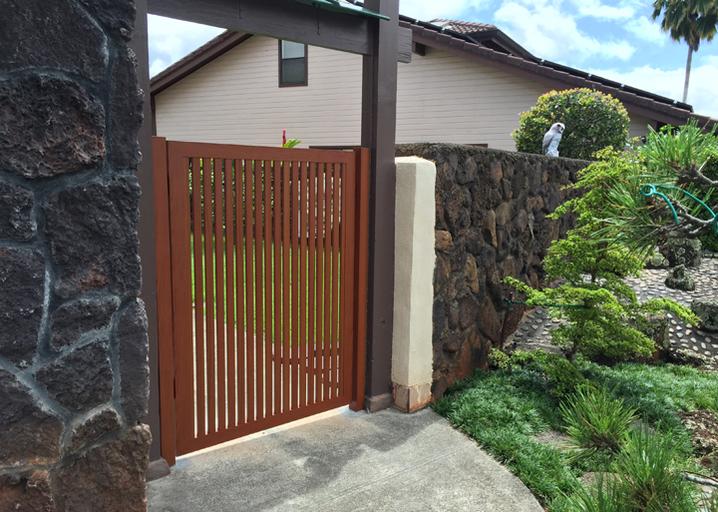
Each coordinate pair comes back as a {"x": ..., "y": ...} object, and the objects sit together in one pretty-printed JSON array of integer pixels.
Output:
[{"x": 412, "y": 353}]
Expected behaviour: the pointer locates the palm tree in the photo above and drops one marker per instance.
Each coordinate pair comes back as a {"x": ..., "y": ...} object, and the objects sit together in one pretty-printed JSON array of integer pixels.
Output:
[{"x": 690, "y": 20}]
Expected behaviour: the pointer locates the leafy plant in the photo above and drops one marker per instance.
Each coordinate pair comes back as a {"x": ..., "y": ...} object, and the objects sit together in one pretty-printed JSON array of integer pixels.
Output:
[
  {"x": 559, "y": 375},
  {"x": 603, "y": 496},
  {"x": 593, "y": 120},
  {"x": 602, "y": 316},
  {"x": 596, "y": 421},
  {"x": 650, "y": 476}
]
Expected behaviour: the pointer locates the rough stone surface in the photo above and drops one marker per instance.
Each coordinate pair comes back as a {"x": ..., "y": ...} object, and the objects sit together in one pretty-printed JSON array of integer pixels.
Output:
[
  {"x": 49, "y": 126},
  {"x": 707, "y": 311},
  {"x": 109, "y": 477},
  {"x": 70, "y": 111},
  {"x": 678, "y": 279},
  {"x": 16, "y": 218},
  {"x": 98, "y": 425},
  {"x": 126, "y": 111},
  {"x": 76, "y": 45},
  {"x": 656, "y": 261},
  {"x": 93, "y": 240},
  {"x": 117, "y": 16},
  {"x": 26, "y": 492},
  {"x": 28, "y": 434},
  {"x": 134, "y": 363},
  {"x": 81, "y": 379},
  {"x": 22, "y": 275},
  {"x": 491, "y": 222},
  {"x": 78, "y": 317},
  {"x": 682, "y": 251}
]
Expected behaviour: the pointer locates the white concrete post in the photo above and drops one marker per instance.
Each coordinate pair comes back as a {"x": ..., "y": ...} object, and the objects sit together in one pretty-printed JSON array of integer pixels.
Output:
[{"x": 412, "y": 353}]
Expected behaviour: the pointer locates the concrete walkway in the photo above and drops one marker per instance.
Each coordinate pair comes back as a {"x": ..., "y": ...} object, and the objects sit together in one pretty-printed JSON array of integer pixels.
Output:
[{"x": 386, "y": 461}]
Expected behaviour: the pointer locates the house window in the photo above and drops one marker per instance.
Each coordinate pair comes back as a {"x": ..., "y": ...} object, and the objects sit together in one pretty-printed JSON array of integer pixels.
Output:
[{"x": 292, "y": 64}]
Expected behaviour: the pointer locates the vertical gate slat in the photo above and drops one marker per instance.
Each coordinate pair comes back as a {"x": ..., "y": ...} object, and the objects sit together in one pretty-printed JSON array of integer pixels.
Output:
[
  {"x": 312, "y": 302},
  {"x": 335, "y": 275},
  {"x": 209, "y": 294},
  {"x": 348, "y": 228},
  {"x": 258, "y": 287},
  {"x": 267, "y": 269},
  {"x": 302, "y": 305},
  {"x": 277, "y": 282},
  {"x": 286, "y": 280},
  {"x": 181, "y": 290},
  {"x": 295, "y": 284},
  {"x": 325, "y": 185},
  {"x": 229, "y": 173},
  {"x": 249, "y": 275},
  {"x": 239, "y": 180},
  {"x": 199, "y": 317},
  {"x": 219, "y": 243}
]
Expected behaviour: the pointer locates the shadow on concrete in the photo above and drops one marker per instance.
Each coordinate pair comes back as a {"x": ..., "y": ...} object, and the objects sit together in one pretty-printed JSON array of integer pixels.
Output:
[{"x": 352, "y": 461}]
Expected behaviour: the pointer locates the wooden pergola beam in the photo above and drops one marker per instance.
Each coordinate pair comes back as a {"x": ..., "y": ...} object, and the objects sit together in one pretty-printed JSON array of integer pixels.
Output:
[{"x": 276, "y": 18}]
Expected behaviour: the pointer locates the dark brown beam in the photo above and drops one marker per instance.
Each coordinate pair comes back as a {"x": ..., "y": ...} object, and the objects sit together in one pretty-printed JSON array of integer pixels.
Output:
[
  {"x": 146, "y": 229},
  {"x": 282, "y": 19},
  {"x": 379, "y": 134}
]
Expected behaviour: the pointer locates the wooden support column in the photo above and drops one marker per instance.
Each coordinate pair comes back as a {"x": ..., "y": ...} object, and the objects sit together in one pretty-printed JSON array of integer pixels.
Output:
[
  {"x": 379, "y": 135},
  {"x": 146, "y": 233}
]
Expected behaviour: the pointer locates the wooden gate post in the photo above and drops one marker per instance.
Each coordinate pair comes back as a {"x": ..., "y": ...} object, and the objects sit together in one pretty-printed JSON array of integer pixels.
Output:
[{"x": 160, "y": 171}]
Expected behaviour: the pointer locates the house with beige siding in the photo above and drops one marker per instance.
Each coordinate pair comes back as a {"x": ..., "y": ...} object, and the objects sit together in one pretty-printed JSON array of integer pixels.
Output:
[{"x": 466, "y": 83}]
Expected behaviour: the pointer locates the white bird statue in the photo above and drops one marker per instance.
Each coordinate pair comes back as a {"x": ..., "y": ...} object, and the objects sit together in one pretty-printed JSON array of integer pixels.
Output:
[{"x": 552, "y": 138}]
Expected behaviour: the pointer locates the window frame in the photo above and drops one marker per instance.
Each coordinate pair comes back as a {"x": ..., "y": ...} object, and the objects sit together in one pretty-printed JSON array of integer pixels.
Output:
[{"x": 279, "y": 66}]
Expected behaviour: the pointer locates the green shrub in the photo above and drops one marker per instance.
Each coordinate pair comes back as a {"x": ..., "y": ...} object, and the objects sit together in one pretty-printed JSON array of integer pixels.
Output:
[
  {"x": 601, "y": 313},
  {"x": 603, "y": 496},
  {"x": 560, "y": 376},
  {"x": 596, "y": 421},
  {"x": 593, "y": 120},
  {"x": 649, "y": 477}
]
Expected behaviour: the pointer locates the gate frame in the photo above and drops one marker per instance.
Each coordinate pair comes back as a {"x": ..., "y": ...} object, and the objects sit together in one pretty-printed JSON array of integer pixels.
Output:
[
  {"x": 379, "y": 77},
  {"x": 165, "y": 294}
]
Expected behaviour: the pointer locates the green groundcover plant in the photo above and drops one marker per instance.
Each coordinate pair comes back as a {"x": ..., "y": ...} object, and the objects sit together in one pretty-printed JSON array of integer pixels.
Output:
[
  {"x": 506, "y": 410},
  {"x": 593, "y": 120}
]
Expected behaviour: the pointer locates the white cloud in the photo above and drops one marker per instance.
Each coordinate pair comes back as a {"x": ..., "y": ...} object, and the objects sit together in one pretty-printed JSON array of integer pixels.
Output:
[
  {"x": 170, "y": 40},
  {"x": 552, "y": 33},
  {"x": 647, "y": 30},
  {"x": 669, "y": 82},
  {"x": 427, "y": 10},
  {"x": 599, "y": 10}
]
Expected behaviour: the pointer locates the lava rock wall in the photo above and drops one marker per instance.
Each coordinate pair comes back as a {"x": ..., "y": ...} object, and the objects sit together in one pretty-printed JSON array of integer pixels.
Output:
[
  {"x": 491, "y": 222},
  {"x": 73, "y": 331}
]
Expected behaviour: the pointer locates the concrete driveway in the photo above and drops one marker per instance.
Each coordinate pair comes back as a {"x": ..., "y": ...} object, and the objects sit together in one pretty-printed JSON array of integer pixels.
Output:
[{"x": 349, "y": 461}]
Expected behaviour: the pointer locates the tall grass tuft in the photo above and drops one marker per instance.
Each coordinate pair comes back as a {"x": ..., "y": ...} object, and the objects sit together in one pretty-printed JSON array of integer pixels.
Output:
[
  {"x": 650, "y": 478},
  {"x": 595, "y": 421}
]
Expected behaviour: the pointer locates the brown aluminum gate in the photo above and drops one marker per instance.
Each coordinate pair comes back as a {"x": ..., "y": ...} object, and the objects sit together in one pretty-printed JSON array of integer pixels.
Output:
[{"x": 262, "y": 276}]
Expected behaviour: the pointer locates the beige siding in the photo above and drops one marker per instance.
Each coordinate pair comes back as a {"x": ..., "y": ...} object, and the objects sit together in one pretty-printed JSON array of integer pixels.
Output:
[
  {"x": 236, "y": 99},
  {"x": 441, "y": 98},
  {"x": 445, "y": 98}
]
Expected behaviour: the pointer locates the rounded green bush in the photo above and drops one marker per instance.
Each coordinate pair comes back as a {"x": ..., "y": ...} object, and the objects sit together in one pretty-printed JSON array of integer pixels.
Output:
[{"x": 593, "y": 120}]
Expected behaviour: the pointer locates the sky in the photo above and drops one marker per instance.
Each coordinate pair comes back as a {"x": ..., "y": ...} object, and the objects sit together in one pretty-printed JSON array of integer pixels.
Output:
[{"x": 615, "y": 39}]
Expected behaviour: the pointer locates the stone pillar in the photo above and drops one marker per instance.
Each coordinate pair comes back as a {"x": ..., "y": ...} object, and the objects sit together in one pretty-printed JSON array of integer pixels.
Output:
[
  {"x": 412, "y": 353},
  {"x": 73, "y": 332}
]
